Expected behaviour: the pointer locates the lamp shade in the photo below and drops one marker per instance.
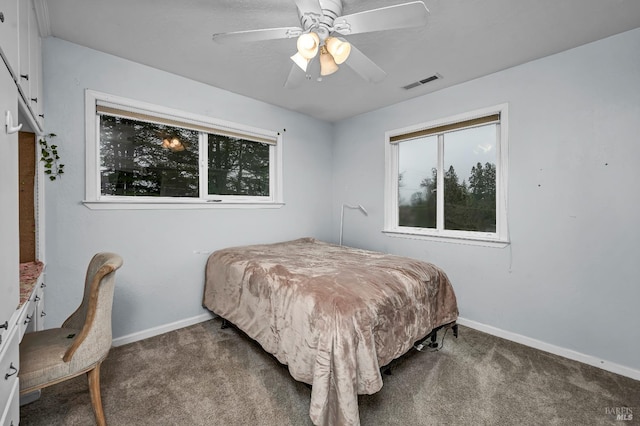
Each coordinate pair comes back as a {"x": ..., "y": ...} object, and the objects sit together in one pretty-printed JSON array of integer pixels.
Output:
[
  {"x": 338, "y": 49},
  {"x": 327, "y": 64},
  {"x": 308, "y": 45},
  {"x": 300, "y": 61}
]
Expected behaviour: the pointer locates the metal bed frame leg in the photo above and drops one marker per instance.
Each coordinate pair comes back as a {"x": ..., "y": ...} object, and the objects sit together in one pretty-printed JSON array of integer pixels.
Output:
[
  {"x": 225, "y": 324},
  {"x": 430, "y": 341},
  {"x": 434, "y": 340}
]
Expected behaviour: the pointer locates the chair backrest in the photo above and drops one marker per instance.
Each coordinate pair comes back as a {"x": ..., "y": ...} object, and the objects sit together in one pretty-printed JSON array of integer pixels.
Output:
[{"x": 93, "y": 316}]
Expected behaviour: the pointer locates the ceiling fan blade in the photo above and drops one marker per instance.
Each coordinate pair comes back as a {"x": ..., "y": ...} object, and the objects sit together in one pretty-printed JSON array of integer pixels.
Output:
[
  {"x": 309, "y": 6},
  {"x": 257, "y": 35},
  {"x": 364, "y": 66},
  {"x": 406, "y": 15}
]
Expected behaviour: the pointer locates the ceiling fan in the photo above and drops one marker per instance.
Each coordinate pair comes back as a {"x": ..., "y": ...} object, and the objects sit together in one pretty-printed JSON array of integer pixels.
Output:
[{"x": 321, "y": 25}]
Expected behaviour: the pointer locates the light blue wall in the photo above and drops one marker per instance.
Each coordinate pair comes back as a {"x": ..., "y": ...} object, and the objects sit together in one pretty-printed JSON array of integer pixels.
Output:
[
  {"x": 162, "y": 278},
  {"x": 571, "y": 275}
]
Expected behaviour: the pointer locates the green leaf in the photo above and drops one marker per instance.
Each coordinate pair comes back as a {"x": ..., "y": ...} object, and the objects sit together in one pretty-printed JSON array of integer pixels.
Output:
[{"x": 52, "y": 177}]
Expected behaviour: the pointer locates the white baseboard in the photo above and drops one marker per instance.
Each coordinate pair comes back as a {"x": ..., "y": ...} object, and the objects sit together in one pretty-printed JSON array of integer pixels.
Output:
[
  {"x": 155, "y": 331},
  {"x": 494, "y": 331},
  {"x": 556, "y": 350}
]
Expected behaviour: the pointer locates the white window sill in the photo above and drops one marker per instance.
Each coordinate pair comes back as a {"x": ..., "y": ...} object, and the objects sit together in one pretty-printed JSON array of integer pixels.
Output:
[
  {"x": 176, "y": 205},
  {"x": 448, "y": 239}
]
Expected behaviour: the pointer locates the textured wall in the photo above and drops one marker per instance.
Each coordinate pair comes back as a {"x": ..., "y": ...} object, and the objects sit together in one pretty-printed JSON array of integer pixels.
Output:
[{"x": 569, "y": 278}]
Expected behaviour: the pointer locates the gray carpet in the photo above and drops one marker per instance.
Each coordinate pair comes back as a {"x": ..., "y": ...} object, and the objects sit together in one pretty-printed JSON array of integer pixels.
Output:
[{"x": 202, "y": 375}]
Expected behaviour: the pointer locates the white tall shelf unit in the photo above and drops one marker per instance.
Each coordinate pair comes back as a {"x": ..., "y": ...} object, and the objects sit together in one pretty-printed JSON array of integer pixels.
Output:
[{"x": 21, "y": 103}]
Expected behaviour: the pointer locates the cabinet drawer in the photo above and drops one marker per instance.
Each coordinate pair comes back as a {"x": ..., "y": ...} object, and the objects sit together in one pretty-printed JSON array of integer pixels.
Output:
[
  {"x": 37, "y": 321},
  {"x": 9, "y": 366},
  {"x": 11, "y": 415},
  {"x": 27, "y": 315},
  {"x": 6, "y": 325}
]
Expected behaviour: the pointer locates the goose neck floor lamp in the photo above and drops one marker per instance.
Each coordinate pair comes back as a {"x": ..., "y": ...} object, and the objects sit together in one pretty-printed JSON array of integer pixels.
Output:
[{"x": 359, "y": 207}]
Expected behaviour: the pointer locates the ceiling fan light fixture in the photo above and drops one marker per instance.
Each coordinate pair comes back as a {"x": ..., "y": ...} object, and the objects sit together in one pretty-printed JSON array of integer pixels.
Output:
[
  {"x": 173, "y": 143},
  {"x": 327, "y": 64},
  {"x": 339, "y": 49},
  {"x": 308, "y": 45},
  {"x": 300, "y": 61}
]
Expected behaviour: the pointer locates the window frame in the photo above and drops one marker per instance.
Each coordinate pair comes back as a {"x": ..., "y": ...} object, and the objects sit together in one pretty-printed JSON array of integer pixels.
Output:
[
  {"x": 500, "y": 238},
  {"x": 94, "y": 198}
]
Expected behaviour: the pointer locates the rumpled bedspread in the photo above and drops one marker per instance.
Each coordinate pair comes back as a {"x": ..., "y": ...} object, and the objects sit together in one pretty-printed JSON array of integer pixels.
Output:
[{"x": 333, "y": 314}]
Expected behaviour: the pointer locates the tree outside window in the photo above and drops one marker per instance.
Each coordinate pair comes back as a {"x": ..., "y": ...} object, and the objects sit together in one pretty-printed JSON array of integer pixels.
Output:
[{"x": 445, "y": 180}]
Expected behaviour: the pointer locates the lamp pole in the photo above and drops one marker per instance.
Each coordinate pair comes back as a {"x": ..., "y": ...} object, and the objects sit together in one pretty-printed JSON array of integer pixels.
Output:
[{"x": 359, "y": 207}]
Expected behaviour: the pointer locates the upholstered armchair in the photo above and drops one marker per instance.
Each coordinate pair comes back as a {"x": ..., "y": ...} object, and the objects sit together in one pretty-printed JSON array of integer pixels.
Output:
[{"x": 51, "y": 356}]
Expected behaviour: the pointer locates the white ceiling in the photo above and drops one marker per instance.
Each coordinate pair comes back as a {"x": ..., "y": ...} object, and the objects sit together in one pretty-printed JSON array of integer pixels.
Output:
[{"x": 463, "y": 40}]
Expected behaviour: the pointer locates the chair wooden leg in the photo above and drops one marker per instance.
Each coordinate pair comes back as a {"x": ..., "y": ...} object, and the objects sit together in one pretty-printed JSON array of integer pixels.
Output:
[{"x": 96, "y": 400}]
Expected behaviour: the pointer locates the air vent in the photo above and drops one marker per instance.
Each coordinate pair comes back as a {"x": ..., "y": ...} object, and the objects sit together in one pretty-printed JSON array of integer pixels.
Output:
[{"x": 423, "y": 81}]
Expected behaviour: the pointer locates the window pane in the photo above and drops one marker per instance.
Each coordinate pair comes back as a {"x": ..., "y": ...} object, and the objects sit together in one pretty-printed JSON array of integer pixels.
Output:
[
  {"x": 146, "y": 159},
  {"x": 470, "y": 179},
  {"x": 417, "y": 179},
  {"x": 238, "y": 166}
]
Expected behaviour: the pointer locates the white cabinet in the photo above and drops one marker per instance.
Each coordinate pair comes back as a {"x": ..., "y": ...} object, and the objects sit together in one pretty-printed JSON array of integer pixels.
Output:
[
  {"x": 9, "y": 383},
  {"x": 32, "y": 312},
  {"x": 9, "y": 241},
  {"x": 21, "y": 49},
  {"x": 37, "y": 298},
  {"x": 23, "y": 46},
  {"x": 39, "y": 109},
  {"x": 9, "y": 32},
  {"x": 33, "y": 99},
  {"x": 27, "y": 68},
  {"x": 20, "y": 84}
]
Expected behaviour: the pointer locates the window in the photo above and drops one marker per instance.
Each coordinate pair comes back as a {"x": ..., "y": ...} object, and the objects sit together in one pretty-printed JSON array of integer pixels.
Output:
[
  {"x": 447, "y": 179},
  {"x": 141, "y": 156}
]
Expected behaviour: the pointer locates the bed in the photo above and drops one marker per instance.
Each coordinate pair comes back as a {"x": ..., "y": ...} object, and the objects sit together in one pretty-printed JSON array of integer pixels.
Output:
[{"x": 334, "y": 315}]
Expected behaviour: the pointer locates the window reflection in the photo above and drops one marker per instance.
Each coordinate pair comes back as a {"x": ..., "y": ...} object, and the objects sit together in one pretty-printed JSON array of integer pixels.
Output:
[{"x": 134, "y": 162}]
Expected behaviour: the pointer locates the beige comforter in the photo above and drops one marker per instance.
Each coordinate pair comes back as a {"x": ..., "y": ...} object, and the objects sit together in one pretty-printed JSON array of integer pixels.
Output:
[{"x": 333, "y": 314}]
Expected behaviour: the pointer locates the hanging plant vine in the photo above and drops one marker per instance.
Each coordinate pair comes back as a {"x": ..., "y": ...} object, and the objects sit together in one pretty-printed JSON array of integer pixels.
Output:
[{"x": 49, "y": 156}]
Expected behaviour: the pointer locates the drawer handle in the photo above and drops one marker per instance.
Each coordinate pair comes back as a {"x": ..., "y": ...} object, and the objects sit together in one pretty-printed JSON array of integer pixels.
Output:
[
  {"x": 43, "y": 314},
  {"x": 2, "y": 17},
  {"x": 5, "y": 325},
  {"x": 43, "y": 285},
  {"x": 28, "y": 320},
  {"x": 34, "y": 100},
  {"x": 37, "y": 299},
  {"x": 25, "y": 76},
  {"x": 15, "y": 371}
]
